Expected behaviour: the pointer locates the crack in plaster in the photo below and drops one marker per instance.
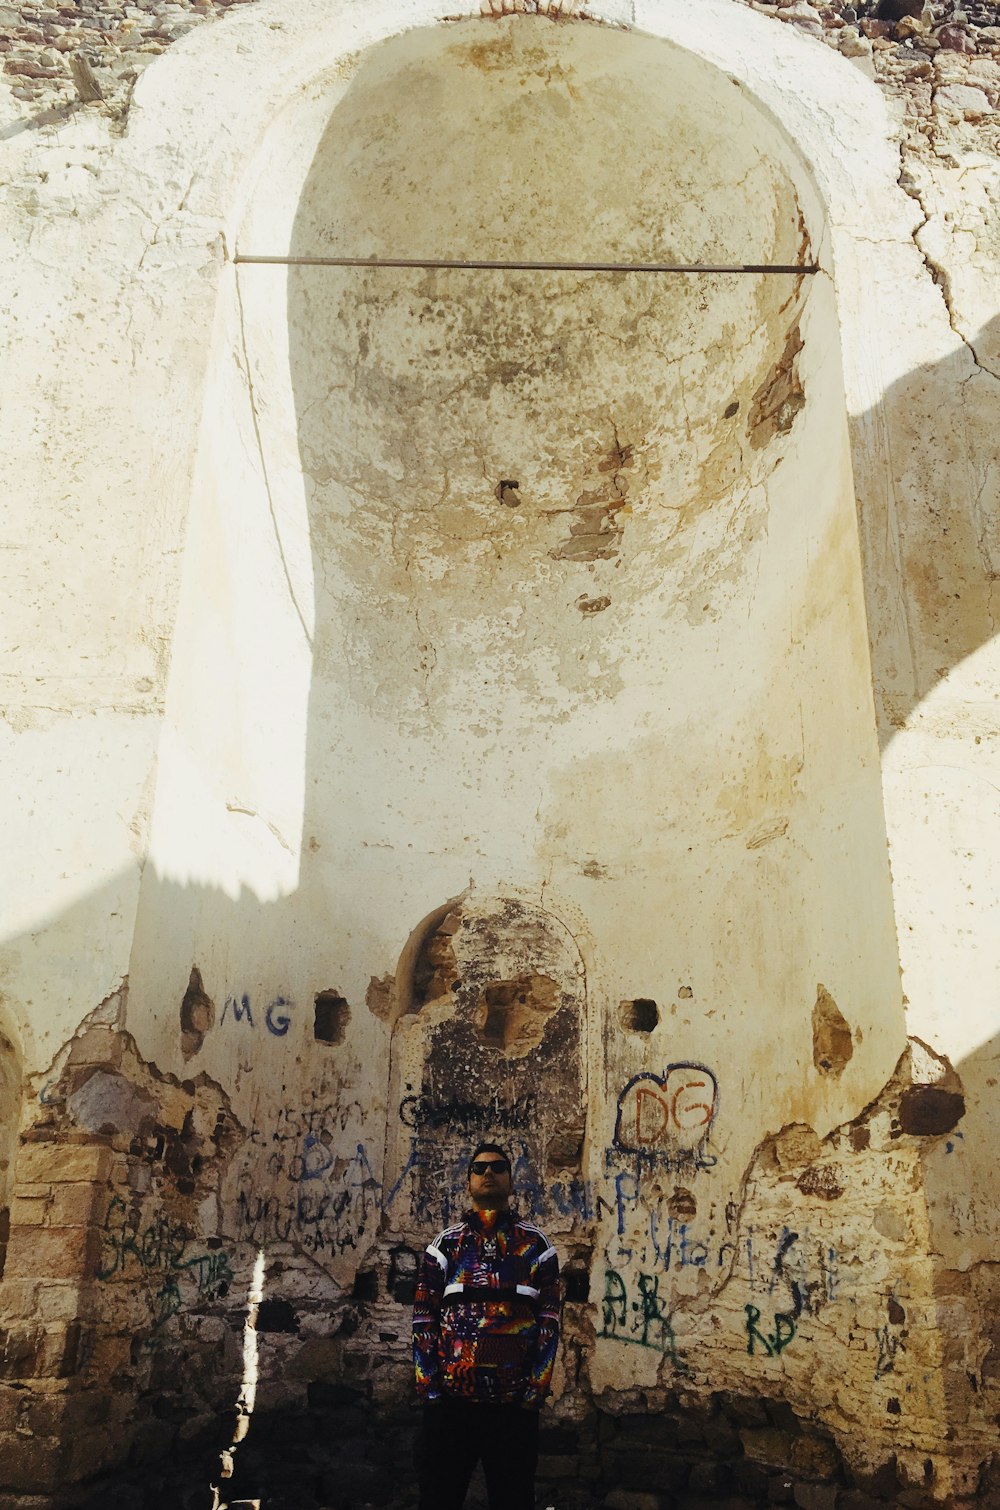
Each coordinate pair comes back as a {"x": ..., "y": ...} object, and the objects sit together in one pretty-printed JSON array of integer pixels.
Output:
[
  {"x": 248, "y": 374},
  {"x": 939, "y": 274}
]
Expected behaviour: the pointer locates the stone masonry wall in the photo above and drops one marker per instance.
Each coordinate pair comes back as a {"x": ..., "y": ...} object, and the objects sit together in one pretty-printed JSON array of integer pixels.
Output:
[
  {"x": 920, "y": 51},
  {"x": 130, "y": 1314}
]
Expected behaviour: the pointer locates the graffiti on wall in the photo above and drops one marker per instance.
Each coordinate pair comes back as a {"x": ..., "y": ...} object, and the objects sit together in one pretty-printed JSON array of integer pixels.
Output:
[
  {"x": 157, "y": 1250},
  {"x": 770, "y": 1343},
  {"x": 422, "y": 1112},
  {"x": 322, "y": 1202},
  {"x": 637, "y": 1315},
  {"x": 667, "y": 1115},
  {"x": 240, "y": 1009}
]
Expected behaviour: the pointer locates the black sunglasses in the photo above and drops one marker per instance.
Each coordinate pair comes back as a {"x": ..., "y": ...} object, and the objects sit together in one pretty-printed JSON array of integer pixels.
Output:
[{"x": 490, "y": 1166}]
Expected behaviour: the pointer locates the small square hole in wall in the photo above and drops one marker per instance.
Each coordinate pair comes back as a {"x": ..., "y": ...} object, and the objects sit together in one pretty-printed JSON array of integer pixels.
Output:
[
  {"x": 365, "y": 1285},
  {"x": 640, "y": 1015},
  {"x": 331, "y": 1019},
  {"x": 576, "y": 1286}
]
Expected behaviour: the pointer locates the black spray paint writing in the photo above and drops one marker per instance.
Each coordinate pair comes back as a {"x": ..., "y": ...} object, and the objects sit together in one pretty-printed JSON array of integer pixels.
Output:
[
  {"x": 159, "y": 1248},
  {"x": 421, "y": 1112},
  {"x": 333, "y": 1211}
]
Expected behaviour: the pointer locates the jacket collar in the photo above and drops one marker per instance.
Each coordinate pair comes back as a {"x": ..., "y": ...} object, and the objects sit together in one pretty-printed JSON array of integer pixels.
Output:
[{"x": 504, "y": 1220}]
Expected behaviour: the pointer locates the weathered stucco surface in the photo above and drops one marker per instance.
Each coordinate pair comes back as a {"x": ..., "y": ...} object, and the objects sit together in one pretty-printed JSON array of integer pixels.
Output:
[{"x": 448, "y": 703}]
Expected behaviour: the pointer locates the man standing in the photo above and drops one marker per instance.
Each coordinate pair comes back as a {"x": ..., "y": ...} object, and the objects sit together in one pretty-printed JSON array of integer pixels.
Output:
[{"x": 485, "y": 1332}]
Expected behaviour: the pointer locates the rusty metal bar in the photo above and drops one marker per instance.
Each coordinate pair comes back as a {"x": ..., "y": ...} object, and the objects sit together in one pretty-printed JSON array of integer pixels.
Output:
[{"x": 249, "y": 259}]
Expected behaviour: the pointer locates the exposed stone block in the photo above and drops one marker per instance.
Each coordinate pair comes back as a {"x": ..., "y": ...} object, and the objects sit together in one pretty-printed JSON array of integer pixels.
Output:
[
  {"x": 557, "y": 1440},
  {"x": 744, "y": 1410},
  {"x": 29, "y": 1212},
  {"x": 721, "y": 1437},
  {"x": 52, "y": 1252},
  {"x": 624, "y": 1499},
  {"x": 816, "y": 1496},
  {"x": 73, "y": 1205},
  {"x": 637, "y": 1470},
  {"x": 709, "y": 1478},
  {"x": 30, "y": 1464},
  {"x": 87, "y": 1452},
  {"x": 20, "y": 1349},
  {"x": 97, "y": 1045},
  {"x": 856, "y": 1499},
  {"x": 768, "y": 1445},
  {"x": 10, "y": 1405},
  {"x": 780, "y": 1489},
  {"x": 363, "y": 1483},
  {"x": 557, "y": 1468},
  {"x": 152, "y": 1440},
  {"x": 750, "y": 1479},
  {"x": 18, "y": 1299},
  {"x": 59, "y": 1355},
  {"x": 653, "y": 1430},
  {"x": 64, "y": 1413},
  {"x": 317, "y": 1358},
  {"x": 45, "y": 1162},
  {"x": 814, "y": 1457}
]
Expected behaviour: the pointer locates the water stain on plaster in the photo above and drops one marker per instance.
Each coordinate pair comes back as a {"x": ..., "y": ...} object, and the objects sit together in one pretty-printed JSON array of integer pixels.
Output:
[
  {"x": 779, "y": 397},
  {"x": 595, "y": 531},
  {"x": 833, "y": 1045}
]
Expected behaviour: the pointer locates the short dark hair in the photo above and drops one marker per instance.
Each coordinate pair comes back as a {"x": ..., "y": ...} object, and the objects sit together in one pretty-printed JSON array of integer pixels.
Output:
[{"x": 489, "y": 1148}]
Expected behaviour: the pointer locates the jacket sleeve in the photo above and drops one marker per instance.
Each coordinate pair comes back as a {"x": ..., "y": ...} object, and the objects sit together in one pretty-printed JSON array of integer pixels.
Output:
[
  {"x": 427, "y": 1323},
  {"x": 545, "y": 1278}
]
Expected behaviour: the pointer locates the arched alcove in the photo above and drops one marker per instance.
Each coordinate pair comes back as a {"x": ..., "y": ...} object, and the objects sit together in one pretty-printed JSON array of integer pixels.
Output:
[
  {"x": 542, "y": 579},
  {"x": 588, "y": 606},
  {"x": 491, "y": 1044}
]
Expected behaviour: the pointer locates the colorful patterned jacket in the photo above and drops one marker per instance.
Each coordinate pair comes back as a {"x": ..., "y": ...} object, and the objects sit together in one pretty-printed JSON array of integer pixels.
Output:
[{"x": 486, "y": 1312}]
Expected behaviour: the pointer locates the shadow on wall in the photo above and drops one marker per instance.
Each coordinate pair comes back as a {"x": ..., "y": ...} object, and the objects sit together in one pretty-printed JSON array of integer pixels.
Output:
[{"x": 930, "y": 571}]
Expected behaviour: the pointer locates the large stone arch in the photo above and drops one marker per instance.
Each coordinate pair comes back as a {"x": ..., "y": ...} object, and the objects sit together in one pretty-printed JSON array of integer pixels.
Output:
[{"x": 701, "y": 782}]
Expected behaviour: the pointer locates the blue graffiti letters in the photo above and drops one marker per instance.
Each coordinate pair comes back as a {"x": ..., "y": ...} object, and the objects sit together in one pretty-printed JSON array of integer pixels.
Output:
[{"x": 278, "y": 1022}]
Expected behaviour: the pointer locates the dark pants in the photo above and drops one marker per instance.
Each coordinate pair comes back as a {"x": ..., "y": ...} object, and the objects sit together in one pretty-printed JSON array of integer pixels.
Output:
[{"x": 457, "y": 1434}]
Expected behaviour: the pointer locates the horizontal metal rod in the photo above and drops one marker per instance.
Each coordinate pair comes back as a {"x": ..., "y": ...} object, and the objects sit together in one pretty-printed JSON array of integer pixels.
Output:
[{"x": 247, "y": 258}]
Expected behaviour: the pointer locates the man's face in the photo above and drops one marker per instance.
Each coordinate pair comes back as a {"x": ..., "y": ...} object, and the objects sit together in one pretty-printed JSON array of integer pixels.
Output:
[{"x": 489, "y": 1182}]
